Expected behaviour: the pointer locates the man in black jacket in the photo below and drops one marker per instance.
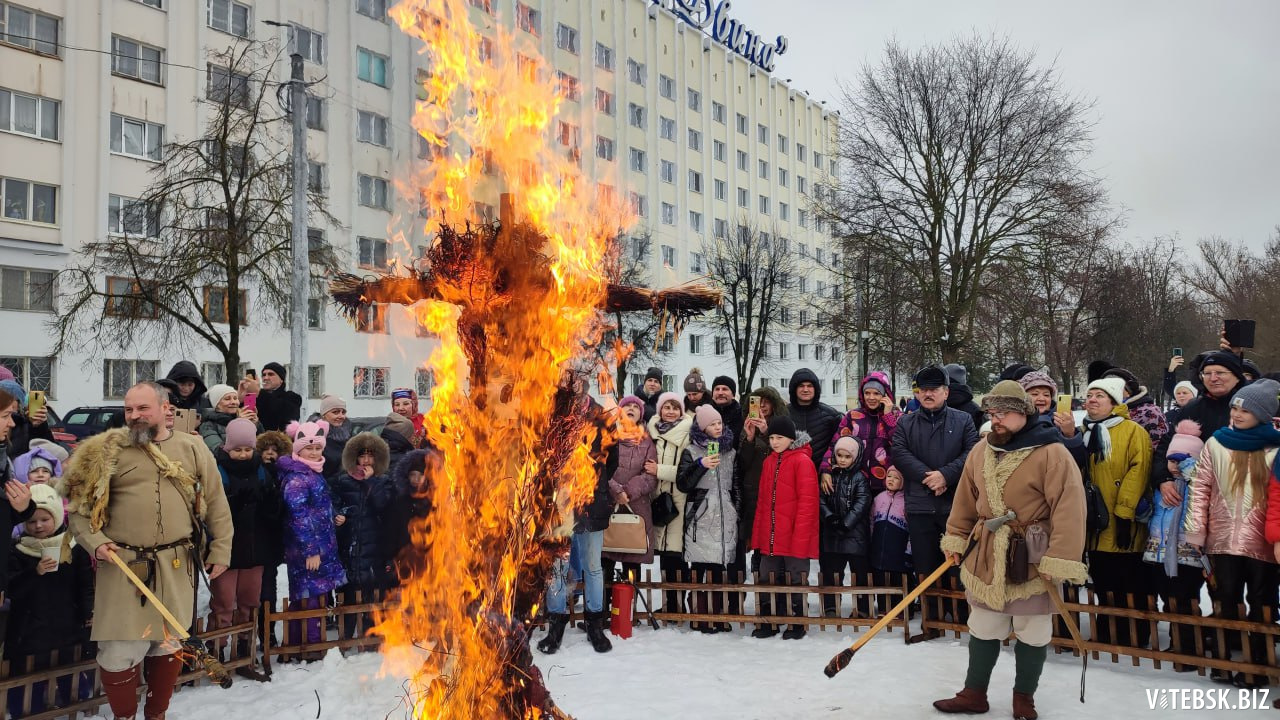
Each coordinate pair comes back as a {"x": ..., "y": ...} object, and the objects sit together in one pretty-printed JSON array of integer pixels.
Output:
[
  {"x": 277, "y": 407},
  {"x": 929, "y": 449},
  {"x": 648, "y": 390},
  {"x": 810, "y": 414},
  {"x": 1221, "y": 374},
  {"x": 724, "y": 398},
  {"x": 959, "y": 395}
]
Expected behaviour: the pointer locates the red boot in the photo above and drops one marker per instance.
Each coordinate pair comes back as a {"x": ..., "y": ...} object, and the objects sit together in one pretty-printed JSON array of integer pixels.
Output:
[
  {"x": 967, "y": 700},
  {"x": 122, "y": 691},
  {"x": 1024, "y": 706},
  {"x": 162, "y": 677}
]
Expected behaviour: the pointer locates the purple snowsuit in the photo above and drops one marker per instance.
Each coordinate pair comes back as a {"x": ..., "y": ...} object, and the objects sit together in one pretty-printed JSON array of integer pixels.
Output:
[{"x": 308, "y": 531}]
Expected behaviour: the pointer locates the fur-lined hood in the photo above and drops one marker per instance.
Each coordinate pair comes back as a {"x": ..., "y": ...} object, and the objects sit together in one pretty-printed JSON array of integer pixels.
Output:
[{"x": 366, "y": 441}]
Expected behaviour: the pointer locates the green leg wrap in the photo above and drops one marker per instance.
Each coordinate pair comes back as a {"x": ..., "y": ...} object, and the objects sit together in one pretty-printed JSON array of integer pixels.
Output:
[
  {"x": 1030, "y": 663},
  {"x": 982, "y": 660}
]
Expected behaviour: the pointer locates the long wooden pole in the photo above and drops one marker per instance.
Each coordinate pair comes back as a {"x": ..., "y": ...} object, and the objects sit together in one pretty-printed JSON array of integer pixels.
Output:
[{"x": 1072, "y": 628}]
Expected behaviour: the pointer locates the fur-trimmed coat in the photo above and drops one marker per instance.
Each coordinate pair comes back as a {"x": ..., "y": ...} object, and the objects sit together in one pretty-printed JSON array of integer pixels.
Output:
[
  {"x": 1042, "y": 485},
  {"x": 113, "y": 489},
  {"x": 364, "y": 503}
]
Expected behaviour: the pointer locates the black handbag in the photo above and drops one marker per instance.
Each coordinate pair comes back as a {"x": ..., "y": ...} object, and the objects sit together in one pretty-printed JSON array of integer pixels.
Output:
[
  {"x": 664, "y": 509},
  {"x": 1097, "y": 517}
]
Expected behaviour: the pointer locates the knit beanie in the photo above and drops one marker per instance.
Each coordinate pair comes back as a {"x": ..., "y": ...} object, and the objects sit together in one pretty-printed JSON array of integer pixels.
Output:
[
  {"x": 278, "y": 369},
  {"x": 1035, "y": 378},
  {"x": 307, "y": 433},
  {"x": 849, "y": 444},
  {"x": 6, "y": 373},
  {"x": 666, "y": 397},
  {"x": 782, "y": 425},
  {"x": 727, "y": 382},
  {"x": 1186, "y": 439},
  {"x": 1229, "y": 361},
  {"x": 631, "y": 400},
  {"x": 331, "y": 402},
  {"x": 956, "y": 373},
  {"x": 875, "y": 385},
  {"x": 1188, "y": 385},
  {"x": 17, "y": 391},
  {"x": 44, "y": 497},
  {"x": 1112, "y": 386},
  {"x": 705, "y": 416},
  {"x": 241, "y": 433},
  {"x": 398, "y": 423},
  {"x": 693, "y": 382},
  {"x": 653, "y": 373},
  {"x": 218, "y": 392},
  {"x": 1008, "y": 396},
  {"x": 1259, "y": 398}
]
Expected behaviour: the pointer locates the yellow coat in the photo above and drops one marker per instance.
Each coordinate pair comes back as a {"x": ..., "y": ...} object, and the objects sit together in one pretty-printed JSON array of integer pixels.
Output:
[{"x": 1122, "y": 480}]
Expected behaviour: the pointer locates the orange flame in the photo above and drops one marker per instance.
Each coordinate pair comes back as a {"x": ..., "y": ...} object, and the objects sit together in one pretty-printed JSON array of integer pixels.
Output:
[{"x": 490, "y": 103}]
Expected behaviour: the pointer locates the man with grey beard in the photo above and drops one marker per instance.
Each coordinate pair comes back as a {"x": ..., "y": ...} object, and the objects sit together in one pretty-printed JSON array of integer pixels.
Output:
[{"x": 142, "y": 492}]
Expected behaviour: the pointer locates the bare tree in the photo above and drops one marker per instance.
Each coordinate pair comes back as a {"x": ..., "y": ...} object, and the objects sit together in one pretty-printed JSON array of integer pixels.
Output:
[
  {"x": 756, "y": 278},
  {"x": 632, "y": 340},
  {"x": 212, "y": 228},
  {"x": 1235, "y": 282},
  {"x": 955, "y": 156}
]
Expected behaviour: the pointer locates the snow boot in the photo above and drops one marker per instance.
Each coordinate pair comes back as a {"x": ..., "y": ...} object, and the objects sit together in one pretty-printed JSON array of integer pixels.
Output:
[
  {"x": 555, "y": 633},
  {"x": 121, "y": 689},
  {"x": 595, "y": 632},
  {"x": 967, "y": 700},
  {"x": 162, "y": 676},
  {"x": 765, "y": 631},
  {"x": 795, "y": 632},
  {"x": 1024, "y": 706},
  {"x": 249, "y": 672}
]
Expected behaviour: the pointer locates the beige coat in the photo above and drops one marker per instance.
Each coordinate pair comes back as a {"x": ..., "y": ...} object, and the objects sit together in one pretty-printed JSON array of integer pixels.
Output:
[
  {"x": 135, "y": 488},
  {"x": 1043, "y": 486},
  {"x": 670, "y": 445}
]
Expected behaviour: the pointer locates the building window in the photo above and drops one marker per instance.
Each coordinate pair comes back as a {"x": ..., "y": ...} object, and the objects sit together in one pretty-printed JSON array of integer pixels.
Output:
[
  {"x": 120, "y": 375},
  {"x": 126, "y": 298},
  {"x": 695, "y": 344},
  {"x": 802, "y": 351},
  {"x": 695, "y": 100},
  {"x": 800, "y": 152},
  {"x": 567, "y": 38},
  {"x": 424, "y": 380},
  {"x": 695, "y": 140},
  {"x": 783, "y": 177},
  {"x": 568, "y": 134},
  {"x": 32, "y": 373},
  {"x": 669, "y": 253},
  {"x": 372, "y": 319},
  {"x": 721, "y": 228},
  {"x": 135, "y": 60},
  {"x": 636, "y": 72},
  {"x": 721, "y": 189},
  {"x": 762, "y": 168},
  {"x": 762, "y": 134},
  {"x": 604, "y": 57},
  {"x": 721, "y": 345},
  {"x": 530, "y": 20},
  {"x": 370, "y": 382},
  {"x": 820, "y": 353},
  {"x": 371, "y": 67},
  {"x": 719, "y": 150},
  {"x": 666, "y": 87},
  {"x": 764, "y": 204},
  {"x": 744, "y": 198},
  {"x": 307, "y": 43},
  {"x": 696, "y": 264},
  {"x": 639, "y": 205},
  {"x": 229, "y": 17},
  {"x": 636, "y": 116},
  {"x": 376, "y": 9},
  {"x": 667, "y": 128},
  {"x": 224, "y": 86},
  {"x": 26, "y": 289},
  {"x": 217, "y": 306},
  {"x": 818, "y": 254},
  {"x": 784, "y": 351},
  {"x": 802, "y": 184},
  {"x": 784, "y": 315},
  {"x": 29, "y": 201},
  {"x": 695, "y": 221},
  {"x": 604, "y": 101},
  {"x": 666, "y": 171},
  {"x": 804, "y": 218},
  {"x": 317, "y": 113},
  {"x": 132, "y": 217},
  {"x": 373, "y": 253},
  {"x": 638, "y": 159},
  {"x": 316, "y": 176},
  {"x": 315, "y": 382},
  {"x": 695, "y": 181},
  {"x": 817, "y": 160},
  {"x": 315, "y": 313},
  {"x": 717, "y": 112},
  {"x": 374, "y": 192},
  {"x": 668, "y": 218},
  {"x": 29, "y": 115},
  {"x": 742, "y": 124},
  {"x": 804, "y": 318},
  {"x": 784, "y": 211},
  {"x": 29, "y": 29},
  {"x": 743, "y": 160},
  {"x": 835, "y": 386},
  {"x": 371, "y": 128},
  {"x": 804, "y": 250},
  {"x": 835, "y": 354},
  {"x": 604, "y": 148},
  {"x": 569, "y": 86}
]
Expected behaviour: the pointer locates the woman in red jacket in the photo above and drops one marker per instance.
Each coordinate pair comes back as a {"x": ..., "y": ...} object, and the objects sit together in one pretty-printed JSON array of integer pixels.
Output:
[{"x": 785, "y": 531}]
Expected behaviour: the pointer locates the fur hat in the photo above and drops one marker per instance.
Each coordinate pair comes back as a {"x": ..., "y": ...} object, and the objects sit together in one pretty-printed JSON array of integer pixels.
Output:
[
  {"x": 1097, "y": 369},
  {"x": 693, "y": 382},
  {"x": 1015, "y": 371},
  {"x": 1035, "y": 378},
  {"x": 34, "y": 458},
  {"x": 1185, "y": 384},
  {"x": 782, "y": 425},
  {"x": 361, "y": 443},
  {"x": 706, "y": 416},
  {"x": 241, "y": 433},
  {"x": 653, "y": 373},
  {"x": 850, "y": 444},
  {"x": 1008, "y": 396},
  {"x": 666, "y": 397},
  {"x": 398, "y": 423},
  {"x": 50, "y": 447},
  {"x": 274, "y": 439},
  {"x": 1259, "y": 398},
  {"x": 727, "y": 382},
  {"x": 307, "y": 433},
  {"x": 1186, "y": 439},
  {"x": 331, "y": 402},
  {"x": 1112, "y": 386},
  {"x": 1251, "y": 368},
  {"x": 44, "y": 497},
  {"x": 218, "y": 392},
  {"x": 631, "y": 400},
  {"x": 930, "y": 376},
  {"x": 278, "y": 369}
]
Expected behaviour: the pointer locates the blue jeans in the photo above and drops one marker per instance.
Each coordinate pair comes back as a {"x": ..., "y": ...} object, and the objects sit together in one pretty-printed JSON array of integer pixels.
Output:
[{"x": 587, "y": 546}]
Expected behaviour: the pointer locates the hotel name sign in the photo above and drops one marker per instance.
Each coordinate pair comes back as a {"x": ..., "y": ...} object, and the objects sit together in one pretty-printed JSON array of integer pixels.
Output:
[{"x": 713, "y": 19}]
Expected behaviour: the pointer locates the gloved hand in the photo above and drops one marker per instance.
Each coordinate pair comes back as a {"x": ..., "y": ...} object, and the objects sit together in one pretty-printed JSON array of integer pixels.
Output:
[{"x": 1124, "y": 533}]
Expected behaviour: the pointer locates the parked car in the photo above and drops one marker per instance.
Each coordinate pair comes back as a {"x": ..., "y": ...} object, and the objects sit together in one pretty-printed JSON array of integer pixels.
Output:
[
  {"x": 86, "y": 421},
  {"x": 55, "y": 425}
]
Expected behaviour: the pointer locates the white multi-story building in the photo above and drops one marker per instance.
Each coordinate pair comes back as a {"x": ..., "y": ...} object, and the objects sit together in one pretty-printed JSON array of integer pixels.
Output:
[{"x": 701, "y": 137}]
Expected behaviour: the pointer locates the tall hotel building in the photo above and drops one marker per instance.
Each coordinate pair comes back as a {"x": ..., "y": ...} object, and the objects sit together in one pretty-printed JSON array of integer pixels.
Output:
[{"x": 702, "y": 138}]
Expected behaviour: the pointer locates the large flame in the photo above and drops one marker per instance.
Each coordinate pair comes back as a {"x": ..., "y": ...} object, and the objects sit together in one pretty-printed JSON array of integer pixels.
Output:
[{"x": 458, "y": 618}]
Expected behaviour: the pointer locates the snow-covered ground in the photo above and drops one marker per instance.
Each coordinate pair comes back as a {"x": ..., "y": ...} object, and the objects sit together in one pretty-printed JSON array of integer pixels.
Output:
[{"x": 675, "y": 673}]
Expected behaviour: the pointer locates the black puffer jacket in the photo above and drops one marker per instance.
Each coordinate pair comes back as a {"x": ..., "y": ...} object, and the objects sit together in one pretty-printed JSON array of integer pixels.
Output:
[
  {"x": 817, "y": 419},
  {"x": 186, "y": 370},
  {"x": 960, "y": 397},
  {"x": 751, "y": 455},
  {"x": 409, "y": 503},
  {"x": 928, "y": 440},
  {"x": 257, "y": 508},
  {"x": 363, "y": 504},
  {"x": 49, "y": 611},
  {"x": 277, "y": 408},
  {"x": 732, "y": 415},
  {"x": 1212, "y": 414},
  {"x": 846, "y": 524}
]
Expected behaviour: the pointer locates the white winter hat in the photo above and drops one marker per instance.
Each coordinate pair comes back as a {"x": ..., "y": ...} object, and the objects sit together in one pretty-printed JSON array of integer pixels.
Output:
[
  {"x": 1112, "y": 386},
  {"x": 218, "y": 392}
]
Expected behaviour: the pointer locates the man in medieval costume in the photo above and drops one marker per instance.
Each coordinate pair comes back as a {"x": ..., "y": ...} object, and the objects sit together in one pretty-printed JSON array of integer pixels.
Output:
[
  {"x": 138, "y": 491},
  {"x": 1021, "y": 466}
]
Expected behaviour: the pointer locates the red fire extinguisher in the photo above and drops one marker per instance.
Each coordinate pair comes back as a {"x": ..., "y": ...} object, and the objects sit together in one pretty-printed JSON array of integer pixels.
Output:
[{"x": 621, "y": 600}]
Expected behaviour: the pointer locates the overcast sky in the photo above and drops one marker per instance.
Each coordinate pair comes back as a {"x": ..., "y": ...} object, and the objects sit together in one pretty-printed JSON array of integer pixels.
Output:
[{"x": 1187, "y": 92}]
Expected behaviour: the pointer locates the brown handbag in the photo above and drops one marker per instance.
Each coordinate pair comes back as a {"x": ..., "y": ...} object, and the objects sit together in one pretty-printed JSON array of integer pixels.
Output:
[{"x": 627, "y": 533}]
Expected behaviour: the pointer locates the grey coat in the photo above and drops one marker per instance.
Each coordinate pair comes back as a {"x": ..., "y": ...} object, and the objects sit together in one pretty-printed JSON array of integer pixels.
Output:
[{"x": 710, "y": 513}]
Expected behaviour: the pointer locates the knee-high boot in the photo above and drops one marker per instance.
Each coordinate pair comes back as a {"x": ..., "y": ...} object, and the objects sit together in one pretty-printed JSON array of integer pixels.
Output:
[
  {"x": 121, "y": 688},
  {"x": 162, "y": 677}
]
